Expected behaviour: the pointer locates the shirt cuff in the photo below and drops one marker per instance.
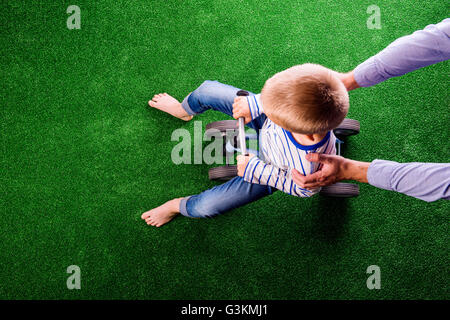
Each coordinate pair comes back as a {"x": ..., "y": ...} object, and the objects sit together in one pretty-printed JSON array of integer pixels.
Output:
[
  {"x": 256, "y": 108},
  {"x": 366, "y": 74},
  {"x": 250, "y": 169},
  {"x": 380, "y": 173}
]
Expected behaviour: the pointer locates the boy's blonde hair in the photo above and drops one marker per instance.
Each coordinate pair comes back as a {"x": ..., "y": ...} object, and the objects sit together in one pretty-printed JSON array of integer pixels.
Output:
[{"x": 305, "y": 99}]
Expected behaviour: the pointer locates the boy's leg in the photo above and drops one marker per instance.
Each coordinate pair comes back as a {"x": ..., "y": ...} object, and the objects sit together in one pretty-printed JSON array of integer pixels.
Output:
[
  {"x": 216, "y": 96},
  {"x": 217, "y": 200},
  {"x": 211, "y": 95},
  {"x": 222, "y": 198}
]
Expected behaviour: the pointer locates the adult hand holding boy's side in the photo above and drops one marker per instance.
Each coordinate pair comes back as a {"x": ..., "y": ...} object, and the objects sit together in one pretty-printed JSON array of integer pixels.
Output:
[
  {"x": 242, "y": 162},
  {"x": 242, "y": 109},
  {"x": 333, "y": 169}
]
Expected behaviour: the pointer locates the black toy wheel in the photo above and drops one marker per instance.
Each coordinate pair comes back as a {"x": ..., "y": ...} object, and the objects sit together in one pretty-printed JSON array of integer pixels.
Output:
[
  {"x": 348, "y": 127},
  {"x": 223, "y": 173},
  {"x": 341, "y": 190}
]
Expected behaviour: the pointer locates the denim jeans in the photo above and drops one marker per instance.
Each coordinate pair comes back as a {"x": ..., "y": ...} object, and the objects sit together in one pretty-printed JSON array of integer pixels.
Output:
[{"x": 236, "y": 192}]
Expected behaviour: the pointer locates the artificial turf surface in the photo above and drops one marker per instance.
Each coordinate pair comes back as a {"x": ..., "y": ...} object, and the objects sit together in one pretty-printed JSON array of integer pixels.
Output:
[{"x": 83, "y": 156}]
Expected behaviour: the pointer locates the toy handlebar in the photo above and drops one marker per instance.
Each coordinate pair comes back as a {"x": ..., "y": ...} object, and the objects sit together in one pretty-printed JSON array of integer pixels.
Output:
[{"x": 242, "y": 144}]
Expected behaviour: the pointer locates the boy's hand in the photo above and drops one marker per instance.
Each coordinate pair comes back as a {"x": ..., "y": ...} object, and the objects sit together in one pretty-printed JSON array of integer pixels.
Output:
[
  {"x": 241, "y": 109},
  {"x": 242, "y": 162}
]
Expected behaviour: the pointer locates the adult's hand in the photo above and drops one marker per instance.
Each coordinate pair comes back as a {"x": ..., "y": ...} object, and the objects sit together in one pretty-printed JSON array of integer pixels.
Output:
[
  {"x": 333, "y": 169},
  {"x": 348, "y": 79}
]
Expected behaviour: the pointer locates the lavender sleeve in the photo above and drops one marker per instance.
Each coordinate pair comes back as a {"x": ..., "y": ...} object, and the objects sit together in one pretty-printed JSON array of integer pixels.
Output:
[
  {"x": 420, "y": 49},
  {"x": 425, "y": 181}
]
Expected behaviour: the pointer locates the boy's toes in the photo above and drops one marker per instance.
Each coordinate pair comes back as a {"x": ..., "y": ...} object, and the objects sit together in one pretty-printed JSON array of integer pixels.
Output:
[
  {"x": 156, "y": 97},
  {"x": 152, "y": 103},
  {"x": 145, "y": 215}
]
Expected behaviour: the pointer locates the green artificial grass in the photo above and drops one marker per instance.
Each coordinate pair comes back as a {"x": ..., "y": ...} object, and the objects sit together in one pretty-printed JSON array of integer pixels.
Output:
[{"x": 83, "y": 156}]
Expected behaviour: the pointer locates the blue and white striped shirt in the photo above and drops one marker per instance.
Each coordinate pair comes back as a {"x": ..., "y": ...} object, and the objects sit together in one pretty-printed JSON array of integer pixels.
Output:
[{"x": 279, "y": 153}]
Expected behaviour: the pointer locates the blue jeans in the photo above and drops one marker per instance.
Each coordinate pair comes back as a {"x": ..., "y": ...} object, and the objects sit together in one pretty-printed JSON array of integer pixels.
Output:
[{"x": 236, "y": 192}]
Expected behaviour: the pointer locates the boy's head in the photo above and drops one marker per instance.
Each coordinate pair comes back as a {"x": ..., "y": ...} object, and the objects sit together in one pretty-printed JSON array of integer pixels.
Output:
[{"x": 305, "y": 99}]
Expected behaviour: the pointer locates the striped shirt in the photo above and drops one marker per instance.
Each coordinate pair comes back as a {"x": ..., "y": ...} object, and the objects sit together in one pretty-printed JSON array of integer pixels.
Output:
[{"x": 279, "y": 153}]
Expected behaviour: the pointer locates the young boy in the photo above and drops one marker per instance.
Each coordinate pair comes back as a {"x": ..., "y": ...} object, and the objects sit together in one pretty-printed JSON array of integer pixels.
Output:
[{"x": 294, "y": 114}]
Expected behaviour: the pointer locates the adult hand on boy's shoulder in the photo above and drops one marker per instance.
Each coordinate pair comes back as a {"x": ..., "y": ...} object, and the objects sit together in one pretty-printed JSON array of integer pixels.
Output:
[
  {"x": 242, "y": 162},
  {"x": 242, "y": 109}
]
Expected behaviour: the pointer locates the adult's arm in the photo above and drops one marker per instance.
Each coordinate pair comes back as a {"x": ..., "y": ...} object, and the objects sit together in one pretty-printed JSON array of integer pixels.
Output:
[
  {"x": 425, "y": 181},
  {"x": 420, "y": 49}
]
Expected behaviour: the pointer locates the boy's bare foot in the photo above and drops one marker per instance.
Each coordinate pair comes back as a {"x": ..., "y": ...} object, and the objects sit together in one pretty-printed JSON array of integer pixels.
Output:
[
  {"x": 162, "y": 214},
  {"x": 169, "y": 104}
]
